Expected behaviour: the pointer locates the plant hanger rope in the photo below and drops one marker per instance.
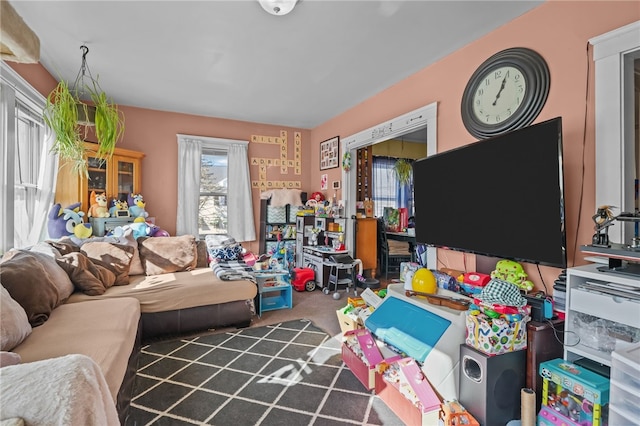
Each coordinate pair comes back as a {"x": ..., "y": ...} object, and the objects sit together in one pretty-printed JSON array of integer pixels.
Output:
[{"x": 79, "y": 84}]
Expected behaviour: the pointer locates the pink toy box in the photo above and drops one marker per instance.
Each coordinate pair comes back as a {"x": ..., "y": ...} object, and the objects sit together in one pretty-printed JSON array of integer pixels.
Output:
[
  {"x": 572, "y": 395},
  {"x": 361, "y": 354}
]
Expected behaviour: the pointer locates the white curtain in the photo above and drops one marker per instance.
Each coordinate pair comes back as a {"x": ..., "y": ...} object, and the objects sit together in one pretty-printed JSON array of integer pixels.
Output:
[
  {"x": 240, "y": 205},
  {"x": 189, "y": 151},
  {"x": 47, "y": 178}
]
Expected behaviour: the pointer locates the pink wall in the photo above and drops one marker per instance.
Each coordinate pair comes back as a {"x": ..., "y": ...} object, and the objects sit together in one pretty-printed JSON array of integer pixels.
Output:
[
  {"x": 558, "y": 30},
  {"x": 154, "y": 133}
]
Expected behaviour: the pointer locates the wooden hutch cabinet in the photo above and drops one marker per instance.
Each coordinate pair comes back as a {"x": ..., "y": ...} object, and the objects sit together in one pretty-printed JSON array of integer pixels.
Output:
[{"x": 117, "y": 177}]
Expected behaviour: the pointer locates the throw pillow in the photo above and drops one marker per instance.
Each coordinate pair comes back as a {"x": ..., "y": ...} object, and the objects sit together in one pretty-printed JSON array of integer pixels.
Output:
[
  {"x": 64, "y": 245},
  {"x": 161, "y": 255},
  {"x": 9, "y": 358},
  {"x": 203, "y": 254},
  {"x": 30, "y": 284},
  {"x": 58, "y": 275},
  {"x": 115, "y": 257},
  {"x": 136, "y": 264},
  {"x": 14, "y": 324},
  {"x": 90, "y": 278}
]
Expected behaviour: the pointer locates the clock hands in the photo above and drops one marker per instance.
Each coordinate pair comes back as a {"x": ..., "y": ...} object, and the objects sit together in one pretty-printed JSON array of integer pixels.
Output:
[{"x": 504, "y": 82}]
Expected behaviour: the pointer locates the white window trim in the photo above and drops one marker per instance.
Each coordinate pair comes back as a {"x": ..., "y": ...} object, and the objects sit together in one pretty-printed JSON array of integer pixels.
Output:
[{"x": 613, "y": 54}]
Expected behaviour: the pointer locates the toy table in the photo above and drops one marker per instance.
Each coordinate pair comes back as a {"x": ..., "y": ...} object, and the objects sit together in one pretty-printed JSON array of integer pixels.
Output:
[{"x": 274, "y": 291}]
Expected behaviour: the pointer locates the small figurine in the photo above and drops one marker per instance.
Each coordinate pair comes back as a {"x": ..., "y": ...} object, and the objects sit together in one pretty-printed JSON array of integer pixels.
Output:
[
  {"x": 119, "y": 208},
  {"x": 603, "y": 219}
]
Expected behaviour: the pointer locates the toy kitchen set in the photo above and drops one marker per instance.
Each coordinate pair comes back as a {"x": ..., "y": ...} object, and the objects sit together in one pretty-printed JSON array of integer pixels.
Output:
[{"x": 319, "y": 238}]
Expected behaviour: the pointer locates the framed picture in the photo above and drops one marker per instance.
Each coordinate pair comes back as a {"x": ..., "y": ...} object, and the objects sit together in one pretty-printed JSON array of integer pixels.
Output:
[{"x": 330, "y": 153}]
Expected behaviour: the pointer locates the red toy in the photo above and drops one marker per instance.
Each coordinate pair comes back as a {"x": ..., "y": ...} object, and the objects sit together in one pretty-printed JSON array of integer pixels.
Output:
[{"x": 303, "y": 279}]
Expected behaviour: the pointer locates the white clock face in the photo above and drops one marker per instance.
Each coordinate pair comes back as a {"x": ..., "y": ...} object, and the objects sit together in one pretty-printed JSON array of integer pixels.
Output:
[{"x": 499, "y": 95}]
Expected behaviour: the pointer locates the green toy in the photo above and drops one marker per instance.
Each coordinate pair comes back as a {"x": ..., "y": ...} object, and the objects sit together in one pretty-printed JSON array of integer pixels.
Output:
[{"x": 512, "y": 271}]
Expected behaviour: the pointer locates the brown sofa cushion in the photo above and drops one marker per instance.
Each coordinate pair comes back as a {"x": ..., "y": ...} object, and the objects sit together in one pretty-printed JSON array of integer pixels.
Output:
[
  {"x": 115, "y": 257},
  {"x": 14, "y": 324},
  {"x": 88, "y": 277},
  {"x": 30, "y": 284},
  {"x": 58, "y": 275},
  {"x": 160, "y": 255}
]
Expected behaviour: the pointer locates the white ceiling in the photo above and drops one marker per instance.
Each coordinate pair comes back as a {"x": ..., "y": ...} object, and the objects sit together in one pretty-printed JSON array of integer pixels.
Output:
[{"x": 231, "y": 59}]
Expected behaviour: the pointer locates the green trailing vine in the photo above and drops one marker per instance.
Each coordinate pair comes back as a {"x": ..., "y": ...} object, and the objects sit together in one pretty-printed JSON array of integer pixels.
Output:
[
  {"x": 403, "y": 170},
  {"x": 63, "y": 109},
  {"x": 61, "y": 115}
]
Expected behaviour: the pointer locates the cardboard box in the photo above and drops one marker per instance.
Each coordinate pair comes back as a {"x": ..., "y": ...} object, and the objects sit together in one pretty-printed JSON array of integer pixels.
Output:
[
  {"x": 348, "y": 321},
  {"x": 495, "y": 336},
  {"x": 573, "y": 394}
]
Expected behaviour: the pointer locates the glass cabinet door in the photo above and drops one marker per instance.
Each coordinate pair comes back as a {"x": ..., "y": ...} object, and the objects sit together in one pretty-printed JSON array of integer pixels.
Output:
[
  {"x": 125, "y": 169},
  {"x": 97, "y": 179}
]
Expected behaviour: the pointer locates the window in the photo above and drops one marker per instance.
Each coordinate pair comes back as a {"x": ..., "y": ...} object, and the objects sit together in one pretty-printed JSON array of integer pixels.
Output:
[
  {"x": 212, "y": 208},
  {"x": 387, "y": 191},
  {"x": 27, "y": 188},
  {"x": 214, "y": 188}
]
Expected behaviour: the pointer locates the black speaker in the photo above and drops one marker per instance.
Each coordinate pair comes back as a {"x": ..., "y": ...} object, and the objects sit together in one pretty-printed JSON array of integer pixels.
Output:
[{"x": 490, "y": 385}]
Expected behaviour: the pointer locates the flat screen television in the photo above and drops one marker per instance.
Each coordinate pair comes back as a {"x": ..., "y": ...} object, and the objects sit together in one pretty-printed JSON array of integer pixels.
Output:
[{"x": 499, "y": 197}]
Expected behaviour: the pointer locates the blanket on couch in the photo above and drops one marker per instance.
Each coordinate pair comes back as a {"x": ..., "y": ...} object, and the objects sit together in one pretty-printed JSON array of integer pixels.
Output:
[
  {"x": 68, "y": 390},
  {"x": 233, "y": 270}
]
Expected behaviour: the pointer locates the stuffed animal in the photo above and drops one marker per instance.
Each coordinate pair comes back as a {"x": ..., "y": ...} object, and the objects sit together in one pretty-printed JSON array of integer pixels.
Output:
[
  {"x": 512, "y": 271},
  {"x": 119, "y": 208},
  {"x": 68, "y": 221},
  {"x": 136, "y": 207},
  {"x": 98, "y": 206},
  {"x": 140, "y": 229}
]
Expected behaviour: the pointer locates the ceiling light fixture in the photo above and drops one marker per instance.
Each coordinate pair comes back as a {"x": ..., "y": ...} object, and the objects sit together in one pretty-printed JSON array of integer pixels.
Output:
[{"x": 278, "y": 7}]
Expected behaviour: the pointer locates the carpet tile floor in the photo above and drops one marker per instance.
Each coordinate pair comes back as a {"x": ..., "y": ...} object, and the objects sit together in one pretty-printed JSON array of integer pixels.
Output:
[{"x": 284, "y": 374}]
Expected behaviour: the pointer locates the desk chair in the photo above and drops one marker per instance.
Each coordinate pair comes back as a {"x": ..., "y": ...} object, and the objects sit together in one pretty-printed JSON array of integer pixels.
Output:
[{"x": 391, "y": 255}]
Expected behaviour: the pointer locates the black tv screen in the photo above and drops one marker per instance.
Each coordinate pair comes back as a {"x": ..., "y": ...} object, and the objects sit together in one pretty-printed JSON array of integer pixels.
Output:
[{"x": 499, "y": 197}]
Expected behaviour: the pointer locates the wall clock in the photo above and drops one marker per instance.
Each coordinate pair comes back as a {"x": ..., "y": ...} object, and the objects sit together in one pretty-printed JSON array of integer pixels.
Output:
[{"x": 505, "y": 93}]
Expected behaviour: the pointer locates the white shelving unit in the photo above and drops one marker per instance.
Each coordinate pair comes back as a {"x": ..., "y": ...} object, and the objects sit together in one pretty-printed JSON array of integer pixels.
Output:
[{"x": 604, "y": 295}]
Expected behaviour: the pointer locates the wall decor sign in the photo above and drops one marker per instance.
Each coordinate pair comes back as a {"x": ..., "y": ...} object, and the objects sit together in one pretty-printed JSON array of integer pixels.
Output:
[{"x": 330, "y": 153}]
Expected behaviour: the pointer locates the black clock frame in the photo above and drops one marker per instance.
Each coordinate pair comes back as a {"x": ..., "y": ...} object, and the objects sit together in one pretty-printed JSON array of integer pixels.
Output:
[{"x": 536, "y": 73}]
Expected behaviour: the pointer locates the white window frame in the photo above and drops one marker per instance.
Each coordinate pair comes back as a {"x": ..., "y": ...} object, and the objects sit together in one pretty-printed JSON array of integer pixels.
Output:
[
  {"x": 241, "y": 224},
  {"x": 12, "y": 88},
  {"x": 613, "y": 54}
]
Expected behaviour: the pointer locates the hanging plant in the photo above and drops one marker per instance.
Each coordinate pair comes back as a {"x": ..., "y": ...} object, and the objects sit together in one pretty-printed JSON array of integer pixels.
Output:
[
  {"x": 61, "y": 115},
  {"x": 69, "y": 115},
  {"x": 403, "y": 170}
]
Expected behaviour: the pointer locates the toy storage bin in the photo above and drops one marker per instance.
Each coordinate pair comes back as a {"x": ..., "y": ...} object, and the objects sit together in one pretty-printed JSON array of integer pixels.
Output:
[
  {"x": 625, "y": 367},
  {"x": 411, "y": 397},
  {"x": 361, "y": 354},
  {"x": 622, "y": 417},
  {"x": 624, "y": 405}
]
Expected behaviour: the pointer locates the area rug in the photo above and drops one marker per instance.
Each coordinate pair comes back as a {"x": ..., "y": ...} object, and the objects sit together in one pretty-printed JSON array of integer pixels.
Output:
[{"x": 289, "y": 373}]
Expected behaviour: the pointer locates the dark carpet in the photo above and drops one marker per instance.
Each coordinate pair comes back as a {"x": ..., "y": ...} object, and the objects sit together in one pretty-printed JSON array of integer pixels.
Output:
[{"x": 290, "y": 373}]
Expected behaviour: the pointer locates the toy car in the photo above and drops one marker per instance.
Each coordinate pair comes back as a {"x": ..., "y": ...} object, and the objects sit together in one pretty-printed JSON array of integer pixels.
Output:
[{"x": 303, "y": 279}]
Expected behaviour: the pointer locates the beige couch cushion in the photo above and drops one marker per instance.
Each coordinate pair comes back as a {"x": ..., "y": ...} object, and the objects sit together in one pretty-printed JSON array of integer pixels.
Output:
[
  {"x": 161, "y": 255},
  {"x": 177, "y": 290},
  {"x": 104, "y": 330}
]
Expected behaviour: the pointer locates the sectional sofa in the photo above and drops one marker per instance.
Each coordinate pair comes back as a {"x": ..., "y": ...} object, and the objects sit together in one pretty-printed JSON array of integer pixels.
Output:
[{"x": 99, "y": 299}]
